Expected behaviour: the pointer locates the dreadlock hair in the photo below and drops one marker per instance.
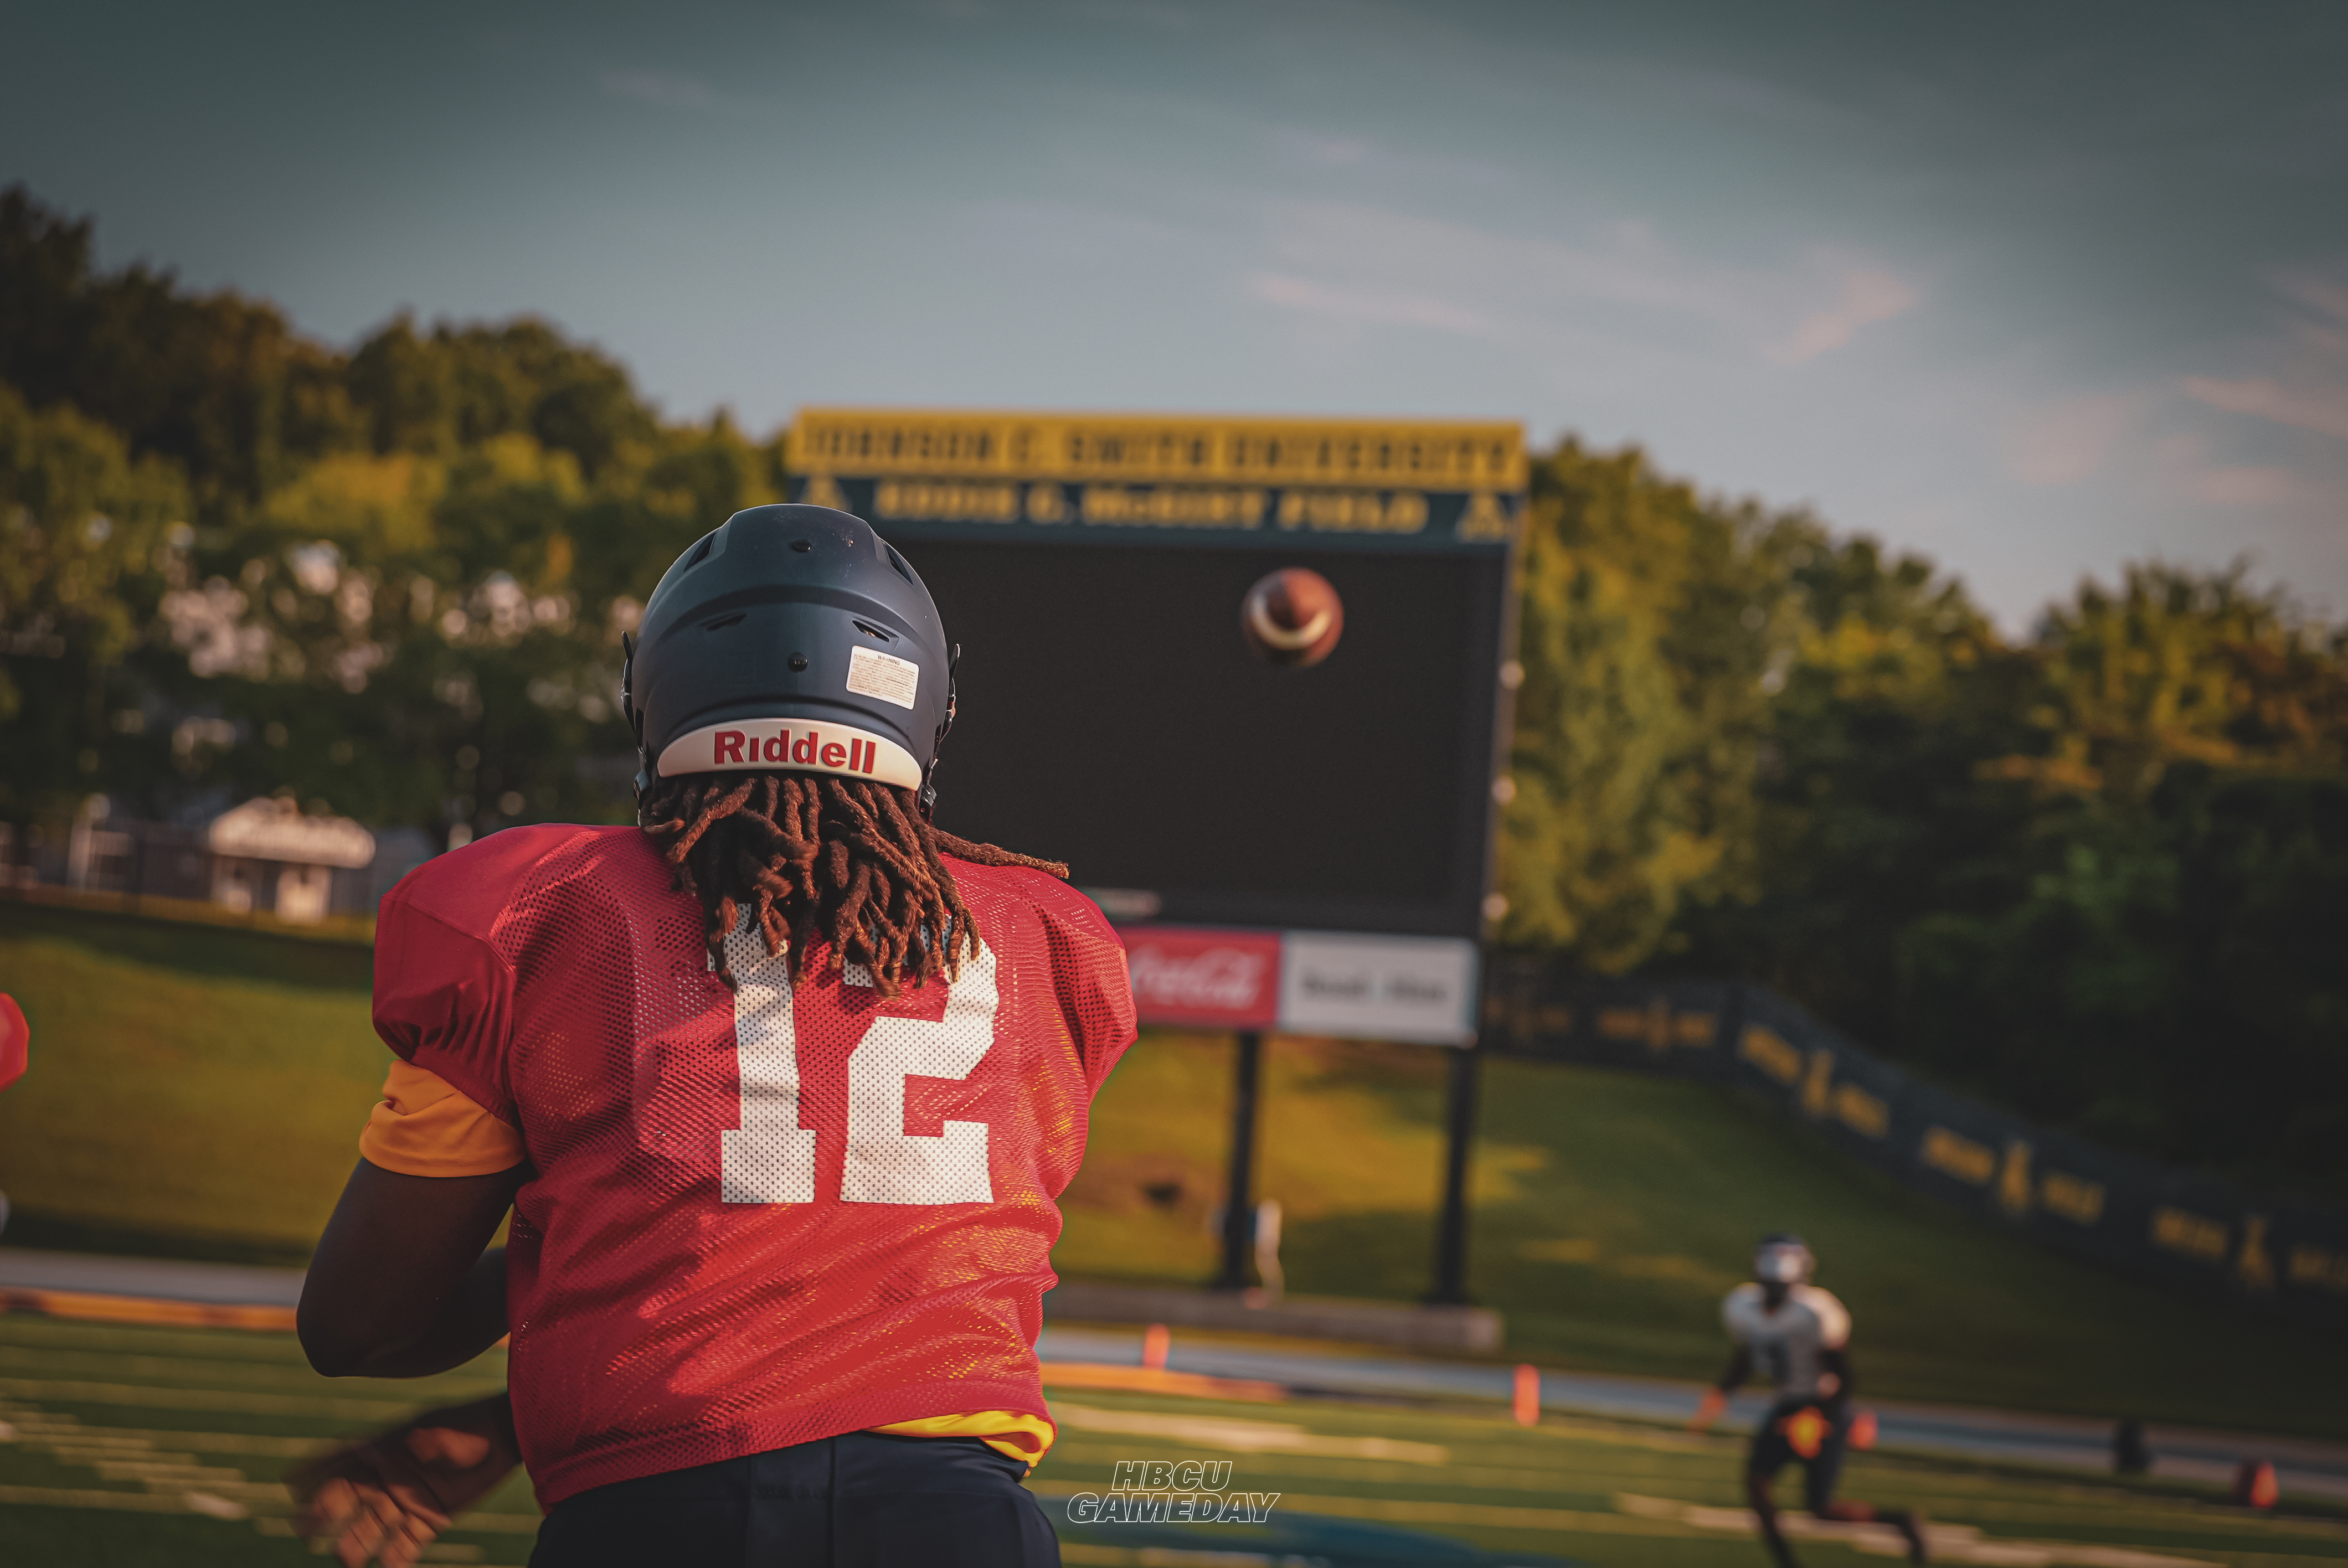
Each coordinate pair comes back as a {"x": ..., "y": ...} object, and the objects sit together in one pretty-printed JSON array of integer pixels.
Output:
[{"x": 809, "y": 855}]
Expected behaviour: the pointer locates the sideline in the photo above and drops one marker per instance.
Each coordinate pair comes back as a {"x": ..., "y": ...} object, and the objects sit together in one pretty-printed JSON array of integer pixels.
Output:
[
  {"x": 215, "y": 1294},
  {"x": 2305, "y": 1467}
]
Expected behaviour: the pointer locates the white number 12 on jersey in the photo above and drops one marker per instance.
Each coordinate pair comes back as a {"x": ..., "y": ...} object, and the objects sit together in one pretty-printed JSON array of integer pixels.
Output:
[{"x": 771, "y": 1159}]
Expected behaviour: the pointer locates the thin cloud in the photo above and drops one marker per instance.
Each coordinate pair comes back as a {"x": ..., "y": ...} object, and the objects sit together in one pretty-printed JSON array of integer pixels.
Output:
[
  {"x": 2249, "y": 487},
  {"x": 1379, "y": 306},
  {"x": 1623, "y": 263},
  {"x": 1870, "y": 294},
  {"x": 2305, "y": 383},
  {"x": 668, "y": 91},
  {"x": 1325, "y": 151},
  {"x": 1138, "y": 13},
  {"x": 2324, "y": 410},
  {"x": 2071, "y": 441},
  {"x": 1420, "y": 256},
  {"x": 2322, "y": 295},
  {"x": 2189, "y": 464}
]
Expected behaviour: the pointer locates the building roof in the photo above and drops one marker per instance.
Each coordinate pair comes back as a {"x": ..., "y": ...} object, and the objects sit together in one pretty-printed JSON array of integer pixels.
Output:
[{"x": 269, "y": 828}]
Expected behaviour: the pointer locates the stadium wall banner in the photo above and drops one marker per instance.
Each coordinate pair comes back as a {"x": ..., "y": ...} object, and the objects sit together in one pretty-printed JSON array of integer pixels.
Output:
[
  {"x": 1419, "y": 991},
  {"x": 1439, "y": 485},
  {"x": 2193, "y": 1233}
]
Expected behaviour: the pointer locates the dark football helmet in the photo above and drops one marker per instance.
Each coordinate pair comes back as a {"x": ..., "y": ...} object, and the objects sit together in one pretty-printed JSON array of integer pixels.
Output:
[{"x": 792, "y": 637}]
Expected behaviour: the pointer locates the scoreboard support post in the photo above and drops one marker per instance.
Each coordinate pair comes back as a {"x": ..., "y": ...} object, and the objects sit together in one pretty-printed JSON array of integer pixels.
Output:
[
  {"x": 1239, "y": 1205},
  {"x": 1451, "y": 1224}
]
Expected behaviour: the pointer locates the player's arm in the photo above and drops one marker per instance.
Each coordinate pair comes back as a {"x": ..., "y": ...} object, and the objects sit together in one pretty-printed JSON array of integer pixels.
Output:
[
  {"x": 1834, "y": 1361},
  {"x": 1716, "y": 1399},
  {"x": 389, "y": 1497},
  {"x": 401, "y": 1286}
]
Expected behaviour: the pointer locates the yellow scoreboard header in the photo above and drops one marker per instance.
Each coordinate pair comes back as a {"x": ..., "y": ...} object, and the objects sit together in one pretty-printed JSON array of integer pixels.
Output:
[
  {"x": 1344, "y": 483},
  {"x": 1419, "y": 454}
]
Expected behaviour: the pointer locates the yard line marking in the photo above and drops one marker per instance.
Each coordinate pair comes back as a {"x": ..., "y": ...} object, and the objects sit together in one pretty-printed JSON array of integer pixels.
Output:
[
  {"x": 122, "y": 1502},
  {"x": 158, "y": 1471},
  {"x": 60, "y": 1432},
  {"x": 1159, "y": 1380},
  {"x": 1100, "y": 1451},
  {"x": 28, "y": 1332},
  {"x": 1402, "y": 1511},
  {"x": 204, "y": 1502},
  {"x": 1162, "y": 1557},
  {"x": 223, "y": 1400},
  {"x": 1949, "y": 1542},
  {"x": 91, "y": 1306},
  {"x": 1496, "y": 1516},
  {"x": 208, "y": 1488},
  {"x": 439, "y": 1551},
  {"x": 1241, "y": 1436},
  {"x": 176, "y": 1370},
  {"x": 496, "y": 1524},
  {"x": 172, "y": 1483}
]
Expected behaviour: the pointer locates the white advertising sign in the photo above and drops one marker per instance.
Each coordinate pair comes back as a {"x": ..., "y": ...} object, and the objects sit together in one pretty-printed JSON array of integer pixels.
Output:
[{"x": 1419, "y": 989}]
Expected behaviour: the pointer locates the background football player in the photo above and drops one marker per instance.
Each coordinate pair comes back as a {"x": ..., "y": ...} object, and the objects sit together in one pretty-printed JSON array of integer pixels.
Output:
[
  {"x": 780, "y": 1087},
  {"x": 1799, "y": 1337},
  {"x": 15, "y": 1043}
]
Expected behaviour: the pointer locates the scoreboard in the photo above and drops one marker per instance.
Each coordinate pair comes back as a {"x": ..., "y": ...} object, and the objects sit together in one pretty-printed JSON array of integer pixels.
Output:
[{"x": 1112, "y": 714}]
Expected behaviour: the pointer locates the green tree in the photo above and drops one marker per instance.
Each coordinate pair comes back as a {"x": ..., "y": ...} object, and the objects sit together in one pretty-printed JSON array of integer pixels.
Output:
[
  {"x": 441, "y": 634},
  {"x": 90, "y": 541},
  {"x": 410, "y": 566},
  {"x": 2159, "y": 967},
  {"x": 1870, "y": 809},
  {"x": 219, "y": 384},
  {"x": 2180, "y": 665},
  {"x": 461, "y": 386},
  {"x": 1651, "y": 624}
]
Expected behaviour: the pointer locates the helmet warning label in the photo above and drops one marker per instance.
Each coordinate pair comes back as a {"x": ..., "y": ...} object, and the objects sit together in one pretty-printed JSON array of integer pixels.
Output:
[{"x": 872, "y": 673}]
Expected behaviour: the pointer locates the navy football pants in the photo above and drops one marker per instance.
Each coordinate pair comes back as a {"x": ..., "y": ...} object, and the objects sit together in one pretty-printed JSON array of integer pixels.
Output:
[{"x": 860, "y": 1500}]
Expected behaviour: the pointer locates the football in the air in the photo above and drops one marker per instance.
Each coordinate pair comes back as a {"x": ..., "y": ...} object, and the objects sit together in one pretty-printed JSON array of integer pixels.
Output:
[{"x": 1293, "y": 618}]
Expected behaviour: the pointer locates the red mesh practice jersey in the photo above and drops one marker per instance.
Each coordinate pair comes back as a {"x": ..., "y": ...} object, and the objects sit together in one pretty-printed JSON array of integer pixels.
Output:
[{"x": 758, "y": 1218}]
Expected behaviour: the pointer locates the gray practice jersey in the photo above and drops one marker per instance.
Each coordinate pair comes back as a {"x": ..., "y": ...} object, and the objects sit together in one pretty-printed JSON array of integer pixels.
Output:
[{"x": 1786, "y": 1345}]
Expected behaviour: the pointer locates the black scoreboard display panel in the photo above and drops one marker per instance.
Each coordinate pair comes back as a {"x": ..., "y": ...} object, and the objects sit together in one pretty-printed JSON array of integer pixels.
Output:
[{"x": 1237, "y": 673}]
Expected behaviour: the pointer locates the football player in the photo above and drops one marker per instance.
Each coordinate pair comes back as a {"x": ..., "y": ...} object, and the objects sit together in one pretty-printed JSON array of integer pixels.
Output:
[
  {"x": 780, "y": 1086},
  {"x": 15, "y": 1039},
  {"x": 1799, "y": 1337}
]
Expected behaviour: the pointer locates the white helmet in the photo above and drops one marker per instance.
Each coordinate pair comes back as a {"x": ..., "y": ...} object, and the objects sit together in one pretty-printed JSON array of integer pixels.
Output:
[{"x": 1782, "y": 1259}]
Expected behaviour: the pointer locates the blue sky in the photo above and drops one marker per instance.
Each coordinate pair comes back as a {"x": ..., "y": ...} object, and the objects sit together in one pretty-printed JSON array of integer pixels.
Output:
[{"x": 2034, "y": 289}]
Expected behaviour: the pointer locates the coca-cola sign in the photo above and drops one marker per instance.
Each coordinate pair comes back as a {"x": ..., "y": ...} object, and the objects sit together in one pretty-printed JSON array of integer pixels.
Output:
[{"x": 1183, "y": 976}]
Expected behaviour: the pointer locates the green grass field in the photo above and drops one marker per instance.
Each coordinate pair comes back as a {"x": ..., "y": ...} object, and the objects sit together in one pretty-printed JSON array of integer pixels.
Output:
[
  {"x": 154, "y": 1448},
  {"x": 200, "y": 1090},
  {"x": 193, "y": 1089},
  {"x": 1613, "y": 1211}
]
